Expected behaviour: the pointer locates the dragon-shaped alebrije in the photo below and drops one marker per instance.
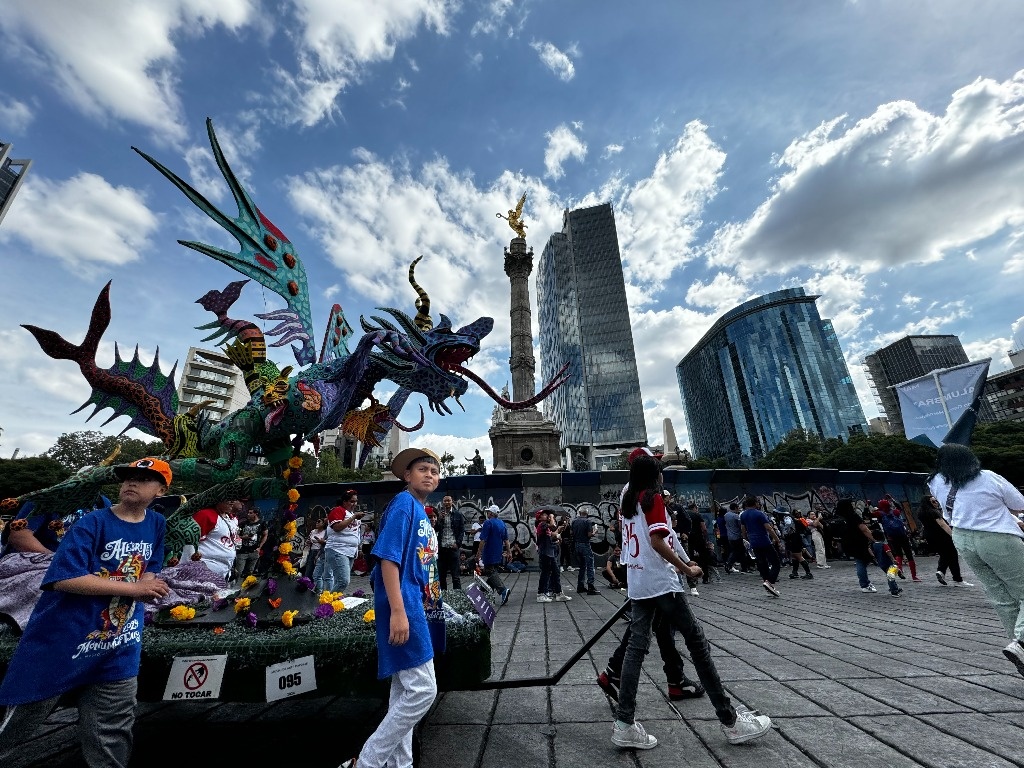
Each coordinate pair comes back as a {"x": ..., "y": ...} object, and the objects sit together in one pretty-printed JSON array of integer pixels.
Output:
[{"x": 286, "y": 407}]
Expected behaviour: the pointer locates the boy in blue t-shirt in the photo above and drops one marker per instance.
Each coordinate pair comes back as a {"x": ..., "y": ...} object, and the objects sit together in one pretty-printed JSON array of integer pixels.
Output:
[
  {"x": 405, "y": 586},
  {"x": 85, "y": 634}
]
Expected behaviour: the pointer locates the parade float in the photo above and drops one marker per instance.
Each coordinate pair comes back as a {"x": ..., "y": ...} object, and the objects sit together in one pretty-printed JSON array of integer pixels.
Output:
[{"x": 279, "y": 620}]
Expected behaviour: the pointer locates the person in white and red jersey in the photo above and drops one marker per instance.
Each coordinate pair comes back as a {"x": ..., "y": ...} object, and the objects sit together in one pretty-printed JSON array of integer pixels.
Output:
[
  {"x": 650, "y": 555},
  {"x": 342, "y": 543},
  {"x": 217, "y": 537}
]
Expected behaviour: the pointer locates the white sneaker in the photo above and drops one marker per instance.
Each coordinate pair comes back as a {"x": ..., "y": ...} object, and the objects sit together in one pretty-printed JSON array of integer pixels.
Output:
[
  {"x": 1015, "y": 653},
  {"x": 571, "y": 569},
  {"x": 771, "y": 588},
  {"x": 734, "y": 569},
  {"x": 941, "y": 579},
  {"x": 632, "y": 737},
  {"x": 542, "y": 598},
  {"x": 561, "y": 569},
  {"x": 868, "y": 588},
  {"x": 694, "y": 592},
  {"x": 962, "y": 584},
  {"x": 748, "y": 725},
  {"x": 561, "y": 597}
]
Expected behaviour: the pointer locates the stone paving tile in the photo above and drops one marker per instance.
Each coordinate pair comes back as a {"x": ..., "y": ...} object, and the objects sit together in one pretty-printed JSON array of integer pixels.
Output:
[
  {"x": 927, "y": 744},
  {"x": 520, "y": 745},
  {"x": 451, "y": 745},
  {"x": 833, "y": 668},
  {"x": 993, "y": 734},
  {"x": 773, "y": 698},
  {"x": 772, "y": 749},
  {"x": 782, "y": 668},
  {"x": 840, "y": 699},
  {"x": 906, "y": 698},
  {"x": 731, "y": 668},
  {"x": 838, "y": 744},
  {"x": 968, "y": 694},
  {"x": 1012, "y": 685},
  {"x": 463, "y": 707},
  {"x": 521, "y": 705}
]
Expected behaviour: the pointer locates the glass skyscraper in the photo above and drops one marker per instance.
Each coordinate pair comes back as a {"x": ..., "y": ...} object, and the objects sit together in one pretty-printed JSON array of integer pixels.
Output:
[
  {"x": 12, "y": 174},
  {"x": 584, "y": 321},
  {"x": 767, "y": 367}
]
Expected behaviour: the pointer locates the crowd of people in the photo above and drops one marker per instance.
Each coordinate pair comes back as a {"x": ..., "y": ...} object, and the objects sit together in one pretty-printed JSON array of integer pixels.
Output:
[{"x": 664, "y": 548}]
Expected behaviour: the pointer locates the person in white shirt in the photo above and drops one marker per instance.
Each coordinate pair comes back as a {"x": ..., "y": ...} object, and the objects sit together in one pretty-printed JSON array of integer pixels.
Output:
[
  {"x": 981, "y": 508},
  {"x": 649, "y": 552}
]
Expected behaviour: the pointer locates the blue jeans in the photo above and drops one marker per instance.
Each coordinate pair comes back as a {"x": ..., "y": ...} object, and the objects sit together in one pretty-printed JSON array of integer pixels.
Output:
[
  {"x": 550, "y": 581},
  {"x": 676, "y": 612},
  {"x": 335, "y": 573},
  {"x": 585, "y": 561}
]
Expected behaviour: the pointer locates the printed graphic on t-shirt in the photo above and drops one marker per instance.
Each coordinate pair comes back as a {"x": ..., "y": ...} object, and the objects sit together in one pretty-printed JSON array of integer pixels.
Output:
[
  {"x": 426, "y": 551},
  {"x": 117, "y": 618}
]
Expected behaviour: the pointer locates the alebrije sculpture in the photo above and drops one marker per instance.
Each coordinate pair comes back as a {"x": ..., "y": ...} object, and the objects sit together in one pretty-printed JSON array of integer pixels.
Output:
[{"x": 286, "y": 408}]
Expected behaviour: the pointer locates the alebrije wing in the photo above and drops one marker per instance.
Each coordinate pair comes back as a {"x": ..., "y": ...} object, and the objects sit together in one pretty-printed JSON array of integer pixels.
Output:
[
  {"x": 265, "y": 254},
  {"x": 336, "y": 336}
]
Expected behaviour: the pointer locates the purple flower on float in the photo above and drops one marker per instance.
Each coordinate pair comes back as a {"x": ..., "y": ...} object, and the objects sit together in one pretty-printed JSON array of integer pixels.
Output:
[
  {"x": 271, "y": 586},
  {"x": 324, "y": 610},
  {"x": 219, "y": 605},
  {"x": 305, "y": 584},
  {"x": 147, "y": 619},
  {"x": 359, "y": 593},
  {"x": 295, "y": 478},
  {"x": 290, "y": 516},
  {"x": 251, "y": 619}
]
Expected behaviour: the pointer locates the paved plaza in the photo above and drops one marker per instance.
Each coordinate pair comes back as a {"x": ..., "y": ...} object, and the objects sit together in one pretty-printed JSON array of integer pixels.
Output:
[{"x": 849, "y": 679}]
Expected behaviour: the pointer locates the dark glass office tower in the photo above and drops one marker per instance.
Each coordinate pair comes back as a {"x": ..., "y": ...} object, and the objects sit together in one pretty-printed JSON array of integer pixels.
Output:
[
  {"x": 12, "y": 174},
  {"x": 584, "y": 321},
  {"x": 767, "y": 367},
  {"x": 909, "y": 358}
]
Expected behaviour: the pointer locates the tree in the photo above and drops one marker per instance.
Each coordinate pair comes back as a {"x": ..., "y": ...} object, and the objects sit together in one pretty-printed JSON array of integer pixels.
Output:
[
  {"x": 19, "y": 476},
  {"x": 1000, "y": 448},
  {"x": 74, "y": 450}
]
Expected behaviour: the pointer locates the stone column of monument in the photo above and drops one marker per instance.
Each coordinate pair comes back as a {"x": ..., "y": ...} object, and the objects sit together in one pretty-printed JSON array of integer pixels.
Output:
[{"x": 523, "y": 441}]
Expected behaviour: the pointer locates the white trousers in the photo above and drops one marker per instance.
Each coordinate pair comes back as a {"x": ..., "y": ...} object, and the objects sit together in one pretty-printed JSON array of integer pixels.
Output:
[{"x": 412, "y": 693}]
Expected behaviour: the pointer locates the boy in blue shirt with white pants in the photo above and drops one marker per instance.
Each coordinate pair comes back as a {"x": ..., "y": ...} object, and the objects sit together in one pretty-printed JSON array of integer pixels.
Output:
[{"x": 405, "y": 582}]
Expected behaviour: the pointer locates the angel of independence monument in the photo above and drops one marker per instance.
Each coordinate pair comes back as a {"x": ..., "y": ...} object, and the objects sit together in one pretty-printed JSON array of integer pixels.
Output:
[{"x": 522, "y": 440}]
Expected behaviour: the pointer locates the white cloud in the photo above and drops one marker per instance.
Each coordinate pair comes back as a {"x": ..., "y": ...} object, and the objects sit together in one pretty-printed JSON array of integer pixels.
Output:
[
  {"x": 116, "y": 58},
  {"x": 15, "y": 116},
  {"x": 658, "y": 218},
  {"x": 722, "y": 294},
  {"x": 459, "y": 447},
  {"x": 610, "y": 150},
  {"x": 495, "y": 14},
  {"x": 910, "y": 300},
  {"x": 83, "y": 221},
  {"x": 996, "y": 349},
  {"x": 339, "y": 40},
  {"x": 559, "y": 62},
  {"x": 562, "y": 144},
  {"x": 842, "y": 297},
  {"x": 901, "y": 186}
]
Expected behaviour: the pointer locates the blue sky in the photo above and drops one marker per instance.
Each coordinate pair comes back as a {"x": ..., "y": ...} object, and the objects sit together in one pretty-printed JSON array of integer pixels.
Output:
[{"x": 869, "y": 151}]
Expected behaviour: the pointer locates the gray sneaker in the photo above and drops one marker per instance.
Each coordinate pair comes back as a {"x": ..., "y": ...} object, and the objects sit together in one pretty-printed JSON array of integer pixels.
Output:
[
  {"x": 632, "y": 737},
  {"x": 561, "y": 597},
  {"x": 748, "y": 726},
  {"x": 1015, "y": 653},
  {"x": 542, "y": 598}
]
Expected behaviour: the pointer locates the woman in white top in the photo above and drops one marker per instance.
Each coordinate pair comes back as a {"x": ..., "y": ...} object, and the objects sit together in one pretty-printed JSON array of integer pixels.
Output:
[{"x": 980, "y": 506}]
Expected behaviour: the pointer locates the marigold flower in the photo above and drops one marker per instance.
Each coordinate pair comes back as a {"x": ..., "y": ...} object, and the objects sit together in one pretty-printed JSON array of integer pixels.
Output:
[
  {"x": 288, "y": 617},
  {"x": 183, "y": 613},
  {"x": 295, "y": 462},
  {"x": 290, "y": 529},
  {"x": 242, "y": 604},
  {"x": 249, "y": 581},
  {"x": 288, "y": 568},
  {"x": 293, "y": 495},
  {"x": 369, "y": 616},
  {"x": 218, "y": 630},
  {"x": 274, "y": 602},
  {"x": 286, "y": 474},
  {"x": 338, "y": 605},
  {"x": 284, "y": 548}
]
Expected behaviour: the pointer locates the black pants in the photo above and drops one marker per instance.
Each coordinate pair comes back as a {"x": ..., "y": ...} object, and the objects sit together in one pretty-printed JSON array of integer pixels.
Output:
[
  {"x": 490, "y": 573},
  {"x": 738, "y": 555},
  {"x": 948, "y": 558},
  {"x": 448, "y": 562},
  {"x": 768, "y": 563},
  {"x": 671, "y": 661}
]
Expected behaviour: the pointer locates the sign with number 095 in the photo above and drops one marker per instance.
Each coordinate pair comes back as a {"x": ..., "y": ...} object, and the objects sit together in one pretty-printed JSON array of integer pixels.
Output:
[{"x": 290, "y": 678}]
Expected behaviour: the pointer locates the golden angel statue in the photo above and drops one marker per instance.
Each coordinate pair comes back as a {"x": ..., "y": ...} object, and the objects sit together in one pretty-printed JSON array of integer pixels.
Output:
[{"x": 514, "y": 218}]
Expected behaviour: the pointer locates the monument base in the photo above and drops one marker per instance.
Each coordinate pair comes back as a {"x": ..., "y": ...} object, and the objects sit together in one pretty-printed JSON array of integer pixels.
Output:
[{"x": 524, "y": 441}]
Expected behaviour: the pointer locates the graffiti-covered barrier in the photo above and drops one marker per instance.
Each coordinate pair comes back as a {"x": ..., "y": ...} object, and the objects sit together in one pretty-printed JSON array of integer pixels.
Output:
[{"x": 596, "y": 495}]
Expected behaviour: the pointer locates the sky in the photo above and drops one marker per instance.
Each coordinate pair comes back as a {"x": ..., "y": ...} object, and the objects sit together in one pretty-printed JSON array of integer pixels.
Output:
[{"x": 870, "y": 151}]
